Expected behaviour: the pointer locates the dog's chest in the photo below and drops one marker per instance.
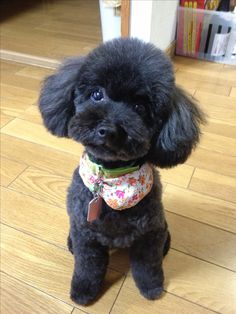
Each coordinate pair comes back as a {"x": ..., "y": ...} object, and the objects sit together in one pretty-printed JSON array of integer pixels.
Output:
[
  {"x": 118, "y": 228},
  {"x": 121, "y": 228}
]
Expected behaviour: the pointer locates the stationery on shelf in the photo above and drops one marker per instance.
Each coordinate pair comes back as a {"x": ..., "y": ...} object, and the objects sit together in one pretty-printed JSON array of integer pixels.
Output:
[{"x": 204, "y": 34}]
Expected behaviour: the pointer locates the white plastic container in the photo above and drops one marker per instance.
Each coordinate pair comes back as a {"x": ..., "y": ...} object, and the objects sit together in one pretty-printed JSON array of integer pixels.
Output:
[{"x": 209, "y": 35}]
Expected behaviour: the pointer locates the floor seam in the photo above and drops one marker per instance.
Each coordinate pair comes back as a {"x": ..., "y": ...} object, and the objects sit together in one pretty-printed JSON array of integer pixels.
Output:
[{"x": 117, "y": 294}]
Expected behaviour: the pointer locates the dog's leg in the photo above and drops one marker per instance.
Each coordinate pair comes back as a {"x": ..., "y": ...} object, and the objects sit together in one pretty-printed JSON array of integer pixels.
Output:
[
  {"x": 146, "y": 256},
  {"x": 91, "y": 260}
]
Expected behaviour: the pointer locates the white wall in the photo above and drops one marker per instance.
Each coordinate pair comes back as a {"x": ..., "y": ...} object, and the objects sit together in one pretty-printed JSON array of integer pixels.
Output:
[
  {"x": 154, "y": 21},
  {"x": 150, "y": 20},
  {"x": 163, "y": 25},
  {"x": 111, "y": 24},
  {"x": 141, "y": 19}
]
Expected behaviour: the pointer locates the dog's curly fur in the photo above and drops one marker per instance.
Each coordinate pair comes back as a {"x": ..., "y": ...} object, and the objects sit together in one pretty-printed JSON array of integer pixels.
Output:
[{"x": 141, "y": 117}]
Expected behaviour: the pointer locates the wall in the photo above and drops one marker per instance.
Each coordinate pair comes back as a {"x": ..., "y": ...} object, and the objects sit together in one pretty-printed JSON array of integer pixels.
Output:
[
  {"x": 150, "y": 20},
  {"x": 141, "y": 19},
  {"x": 154, "y": 21},
  {"x": 163, "y": 22},
  {"x": 111, "y": 24}
]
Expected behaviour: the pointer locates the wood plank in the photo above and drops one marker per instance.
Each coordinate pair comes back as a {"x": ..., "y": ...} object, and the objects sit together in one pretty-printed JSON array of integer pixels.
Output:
[
  {"x": 202, "y": 241},
  {"x": 218, "y": 143},
  {"x": 179, "y": 175},
  {"x": 35, "y": 217},
  {"x": 35, "y": 37},
  {"x": 213, "y": 184},
  {"x": 215, "y": 112},
  {"x": 10, "y": 67},
  {"x": 49, "y": 269},
  {"x": 70, "y": 49},
  {"x": 28, "y": 300},
  {"x": 215, "y": 100},
  {"x": 30, "y": 17},
  {"x": 11, "y": 44},
  {"x": 36, "y": 133},
  {"x": 60, "y": 22},
  {"x": 220, "y": 128},
  {"x": 53, "y": 49},
  {"x": 21, "y": 81},
  {"x": 200, "y": 282},
  {"x": 213, "y": 161},
  {"x": 4, "y": 119},
  {"x": 9, "y": 170},
  {"x": 14, "y": 107},
  {"x": 87, "y": 31},
  {"x": 208, "y": 71},
  {"x": 43, "y": 185},
  {"x": 38, "y": 73},
  {"x": 25, "y": 95},
  {"x": 119, "y": 260},
  {"x": 203, "y": 208},
  {"x": 34, "y": 155},
  {"x": 197, "y": 64},
  {"x": 168, "y": 304},
  {"x": 233, "y": 92},
  {"x": 215, "y": 105},
  {"x": 31, "y": 114},
  {"x": 185, "y": 80},
  {"x": 53, "y": 37}
]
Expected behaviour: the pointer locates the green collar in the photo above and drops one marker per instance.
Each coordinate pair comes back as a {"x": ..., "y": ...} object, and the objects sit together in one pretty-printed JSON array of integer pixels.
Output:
[{"x": 109, "y": 173}]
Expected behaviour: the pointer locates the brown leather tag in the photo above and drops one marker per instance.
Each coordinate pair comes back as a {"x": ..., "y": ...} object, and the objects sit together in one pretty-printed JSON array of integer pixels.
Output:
[{"x": 94, "y": 208}]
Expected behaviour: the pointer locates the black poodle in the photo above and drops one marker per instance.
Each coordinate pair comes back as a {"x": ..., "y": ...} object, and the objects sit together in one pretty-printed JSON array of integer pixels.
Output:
[{"x": 121, "y": 102}]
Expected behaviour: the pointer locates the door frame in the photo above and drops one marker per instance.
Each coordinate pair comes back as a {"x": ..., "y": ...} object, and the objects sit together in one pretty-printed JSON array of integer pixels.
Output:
[{"x": 125, "y": 18}]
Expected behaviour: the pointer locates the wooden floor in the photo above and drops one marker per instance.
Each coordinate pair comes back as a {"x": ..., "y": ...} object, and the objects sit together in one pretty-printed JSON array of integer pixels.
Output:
[
  {"x": 50, "y": 28},
  {"x": 199, "y": 197}
]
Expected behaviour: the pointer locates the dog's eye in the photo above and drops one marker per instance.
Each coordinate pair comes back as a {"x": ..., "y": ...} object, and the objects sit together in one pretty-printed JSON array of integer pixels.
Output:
[
  {"x": 97, "y": 95},
  {"x": 140, "y": 108}
]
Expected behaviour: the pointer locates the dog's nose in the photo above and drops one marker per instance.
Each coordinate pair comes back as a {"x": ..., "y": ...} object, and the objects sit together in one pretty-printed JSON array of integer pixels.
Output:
[{"x": 105, "y": 131}]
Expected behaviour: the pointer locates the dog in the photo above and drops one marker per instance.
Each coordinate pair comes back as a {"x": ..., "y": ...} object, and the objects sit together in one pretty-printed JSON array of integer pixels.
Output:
[{"x": 121, "y": 102}]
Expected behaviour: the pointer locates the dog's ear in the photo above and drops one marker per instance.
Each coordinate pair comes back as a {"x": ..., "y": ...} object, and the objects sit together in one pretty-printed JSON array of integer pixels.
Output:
[
  {"x": 180, "y": 132},
  {"x": 56, "y": 98}
]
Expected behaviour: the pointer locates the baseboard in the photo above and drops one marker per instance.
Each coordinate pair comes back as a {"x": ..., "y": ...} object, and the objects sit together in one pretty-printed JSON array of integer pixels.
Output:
[
  {"x": 52, "y": 63},
  {"x": 29, "y": 59},
  {"x": 170, "y": 50}
]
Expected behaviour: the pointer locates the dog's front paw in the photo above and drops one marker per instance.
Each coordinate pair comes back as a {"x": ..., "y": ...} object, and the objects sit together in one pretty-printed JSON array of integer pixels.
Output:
[
  {"x": 151, "y": 293},
  {"x": 83, "y": 291}
]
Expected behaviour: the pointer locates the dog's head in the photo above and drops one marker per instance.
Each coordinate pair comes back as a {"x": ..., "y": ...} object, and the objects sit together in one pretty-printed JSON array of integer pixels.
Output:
[{"x": 121, "y": 103}]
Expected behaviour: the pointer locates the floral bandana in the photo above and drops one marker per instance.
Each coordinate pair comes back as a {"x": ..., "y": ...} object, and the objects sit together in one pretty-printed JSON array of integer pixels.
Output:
[{"x": 120, "y": 188}]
